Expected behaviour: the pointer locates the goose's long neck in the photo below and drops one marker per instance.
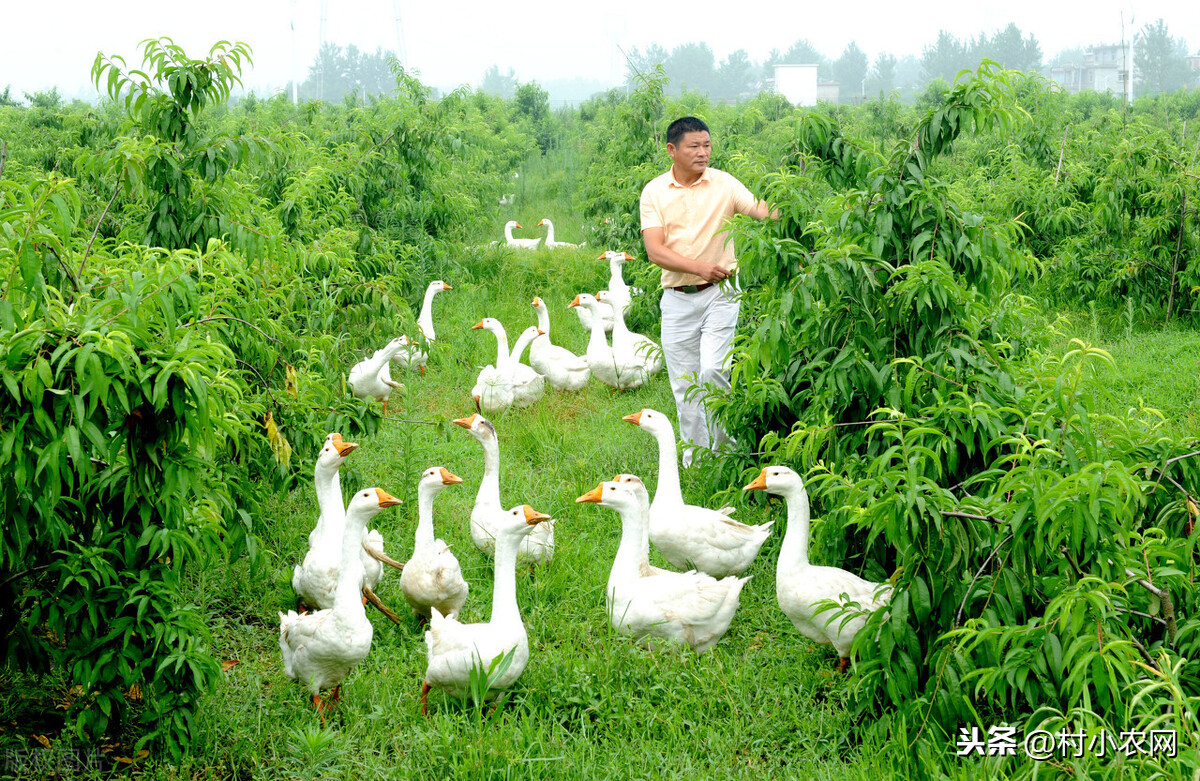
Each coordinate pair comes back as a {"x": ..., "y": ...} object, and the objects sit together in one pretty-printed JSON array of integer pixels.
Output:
[
  {"x": 668, "y": 468},
  {"x": 549, "y": 232},
  {"x": 425, "y": 320},
  {"x": 598, "y": 340},
  {"x": 634, "y": 548},
  {"x": 489, "y": 486},
  {"x": 519, "y": 348},
  {"x": 616, "y": 275},
  {"x": 504, "y": 579},
  {"x": 544, "y": 319},
  {"x": 501, "y": 350},
  {"x": 347, "y": 600},
  {"x": 328, "y": 483},
  {"x": 508, "y": 228},
  {"x": 618, "y": 308},
  {"x": 425, "y": 494},
  {"x": 794, "y": 549}
]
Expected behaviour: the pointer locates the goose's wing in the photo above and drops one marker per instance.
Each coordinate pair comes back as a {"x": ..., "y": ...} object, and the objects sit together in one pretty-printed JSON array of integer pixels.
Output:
[{"x": 689, "y": 598}]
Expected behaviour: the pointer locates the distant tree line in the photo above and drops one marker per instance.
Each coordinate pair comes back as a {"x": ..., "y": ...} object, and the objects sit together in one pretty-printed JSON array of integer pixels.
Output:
[
  {"x": 1161, "y": 63},
  {"x": 337, "y": 72}
]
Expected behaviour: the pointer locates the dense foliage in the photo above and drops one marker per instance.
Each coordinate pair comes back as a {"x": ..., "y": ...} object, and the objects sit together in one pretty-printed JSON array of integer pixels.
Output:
[
  {"x": 175, "y": 324},
  {"x": 185, "y": 284}
]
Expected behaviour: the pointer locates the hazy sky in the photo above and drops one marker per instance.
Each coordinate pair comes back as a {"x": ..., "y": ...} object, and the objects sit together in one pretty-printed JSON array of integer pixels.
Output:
[{"x": 50, "y": 43}]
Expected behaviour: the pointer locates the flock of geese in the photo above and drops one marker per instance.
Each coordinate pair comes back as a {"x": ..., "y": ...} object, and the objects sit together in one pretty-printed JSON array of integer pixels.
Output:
[
  {"x": 533, "y": 243},
  {"x": 329, "y": 634}
]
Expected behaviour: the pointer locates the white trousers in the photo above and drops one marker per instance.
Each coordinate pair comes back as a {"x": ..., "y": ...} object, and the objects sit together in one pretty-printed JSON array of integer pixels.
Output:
[{"x": 697, "y": 333}]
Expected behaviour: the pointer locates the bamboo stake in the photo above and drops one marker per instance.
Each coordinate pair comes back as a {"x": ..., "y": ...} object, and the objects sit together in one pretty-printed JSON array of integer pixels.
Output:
[
  {"x": 1061, "y": 151},
  {"x": 1178, "y": 248}
]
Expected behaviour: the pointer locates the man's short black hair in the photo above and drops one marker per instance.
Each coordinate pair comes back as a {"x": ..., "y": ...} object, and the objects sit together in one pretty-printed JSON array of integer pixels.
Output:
[{"x": 680, "y": 127}]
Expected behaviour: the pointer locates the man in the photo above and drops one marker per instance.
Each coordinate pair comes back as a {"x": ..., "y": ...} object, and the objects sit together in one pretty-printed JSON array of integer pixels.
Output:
[{"x": 683, "y": 212}]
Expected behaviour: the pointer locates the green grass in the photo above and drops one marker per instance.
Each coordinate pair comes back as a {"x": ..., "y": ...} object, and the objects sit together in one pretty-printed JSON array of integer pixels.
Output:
[
  {"x": 590, "y": 703},
  {"x": 1153, "y": 369}
]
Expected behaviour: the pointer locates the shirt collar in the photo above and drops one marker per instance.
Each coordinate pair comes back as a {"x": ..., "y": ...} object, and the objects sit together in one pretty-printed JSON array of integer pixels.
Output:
[{"x": 704, "y": 177}]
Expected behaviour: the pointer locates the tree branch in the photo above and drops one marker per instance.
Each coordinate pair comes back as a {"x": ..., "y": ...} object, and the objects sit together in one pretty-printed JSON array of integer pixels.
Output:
[
  {"x": 103, "y": 214},
  {"x": 979, "y": 572},
  {"x": 972, "y": 516},
  {"x": 23, "y": 573},
  {"x": 231, "y": 317}
]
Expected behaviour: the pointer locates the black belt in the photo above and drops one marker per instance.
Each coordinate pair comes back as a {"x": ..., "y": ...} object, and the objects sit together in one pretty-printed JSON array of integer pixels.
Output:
[{"x": 691, "y": 288}]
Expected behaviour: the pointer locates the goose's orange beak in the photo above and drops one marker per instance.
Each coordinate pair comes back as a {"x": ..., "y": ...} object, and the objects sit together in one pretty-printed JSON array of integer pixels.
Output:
[
  {"x": 343, "y": 447},
  {"x": 635, "y": 418},
  {"x": 386, "y": 499},
  {"x": 760, "y": 482},
  {"x": 575, "y": 302},
  {"x": 477, "y": 325},
  {"x": 535, "y": 301},
  {"x": 467, "y": 422},
  {"x": 532, "y": 516},
  {"x": 592, "y": 496},
  {"x": 448, "y": 478}
]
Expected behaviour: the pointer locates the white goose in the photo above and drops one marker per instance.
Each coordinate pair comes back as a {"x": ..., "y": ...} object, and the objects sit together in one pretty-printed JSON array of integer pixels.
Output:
[
  {"x": 488, "y": 512},
  {"x": 606, "y": 317},
  {"x": 371, "y": 378},
  {"x": 321, "y": 648},
  {"x": 315, "y": 578},
  {"x": 624, "y": 340},
  {"x": 620, "y": 369},
  {"x": 550, "y": 242},
  {"x": 432, "y": 578},
  {"x": 563, "y": 369},
  {"x": 528, "y": 385},
  {"x": 682, "y": 607},
  {"x": 688, "y": 535},
  {"x": 518, "y": 243},
  {"x": 413, "y": 355},
  {"x": 616, "y": 275},
  {"x": 493, "y": 391},
  {"x": 801, "y": 587},
  {"x": 455, "y": 649}
]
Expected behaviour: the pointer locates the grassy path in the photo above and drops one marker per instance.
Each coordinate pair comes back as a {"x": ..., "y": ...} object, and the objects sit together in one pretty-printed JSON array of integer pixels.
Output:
[{"x": 591, "y": 703}]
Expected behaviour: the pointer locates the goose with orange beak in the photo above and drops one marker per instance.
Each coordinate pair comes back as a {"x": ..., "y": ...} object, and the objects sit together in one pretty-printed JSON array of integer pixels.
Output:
[
  {"x": 616, "y": 276},
  {"x": 321, "y": 648},
  {"x": 488, "y": 513},
  {"x": 622, "y": 369},
  {"x": 432, "y": 578},
  {"x": 456, "y": 649},
  {"x": 550, "y": 242},
  {"x": 493, "y": 391},
  {"x": 805, "y": 591},
  {"x": 315, "y": 578},
  {"x": 414, "y": 355},
  {"x": 563, "y": 369},
  {"x": 650, "y": 604},
  {"x": 371, "y": 378},
  {"x": 689, "y": 535}
]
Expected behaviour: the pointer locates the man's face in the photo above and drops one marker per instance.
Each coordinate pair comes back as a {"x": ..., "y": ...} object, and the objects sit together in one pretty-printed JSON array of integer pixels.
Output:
[{"x": 691, "y": 154}]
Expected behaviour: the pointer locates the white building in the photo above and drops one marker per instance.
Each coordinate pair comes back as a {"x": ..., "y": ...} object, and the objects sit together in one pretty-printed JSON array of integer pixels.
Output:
[{"x": 797, "y": 83}]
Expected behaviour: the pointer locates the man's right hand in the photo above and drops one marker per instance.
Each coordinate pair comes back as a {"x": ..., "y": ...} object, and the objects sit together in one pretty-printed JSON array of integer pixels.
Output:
[{"x": 711, "y": 272}]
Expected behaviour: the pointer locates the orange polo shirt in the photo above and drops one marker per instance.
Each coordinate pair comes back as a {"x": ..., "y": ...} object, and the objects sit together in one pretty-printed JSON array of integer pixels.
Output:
[{"x": 692, "y": 217}]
